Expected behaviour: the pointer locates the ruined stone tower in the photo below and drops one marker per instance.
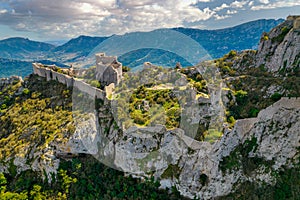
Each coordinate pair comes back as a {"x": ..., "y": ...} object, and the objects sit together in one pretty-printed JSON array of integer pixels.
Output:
[
  {"x": 296, "y": 21},
  {"x": 108, "y": 69}
]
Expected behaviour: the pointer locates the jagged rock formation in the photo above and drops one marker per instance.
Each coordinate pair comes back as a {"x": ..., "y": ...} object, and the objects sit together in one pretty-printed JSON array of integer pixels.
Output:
[
  {"x": 10, "y": 80},
  {"x": 280, "y": 48},
  {"x": 210, "y": 170}
]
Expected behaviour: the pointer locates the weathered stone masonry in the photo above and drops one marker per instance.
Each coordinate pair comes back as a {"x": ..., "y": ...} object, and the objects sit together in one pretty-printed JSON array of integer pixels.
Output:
[{"x": 69, "y": 81}]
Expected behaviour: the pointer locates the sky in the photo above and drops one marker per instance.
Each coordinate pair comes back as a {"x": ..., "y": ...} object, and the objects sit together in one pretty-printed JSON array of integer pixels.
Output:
[{"x": 46, "y": 20}]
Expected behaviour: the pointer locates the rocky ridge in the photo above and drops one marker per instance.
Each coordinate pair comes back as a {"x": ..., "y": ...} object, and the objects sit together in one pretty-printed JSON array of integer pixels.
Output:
[
  {"x": 206, "y": 172},
  {"x": 256, "y": 150}
]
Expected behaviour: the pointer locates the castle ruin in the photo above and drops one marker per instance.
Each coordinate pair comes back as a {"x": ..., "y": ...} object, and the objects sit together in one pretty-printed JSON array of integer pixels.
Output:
[
  {"x": 296, "y": 21},
  {"x": 108, "y": 73},
  {"x": 108, "y": 69}
]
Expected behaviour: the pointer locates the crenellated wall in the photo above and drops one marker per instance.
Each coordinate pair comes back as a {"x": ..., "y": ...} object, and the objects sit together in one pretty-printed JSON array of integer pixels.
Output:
[{"x": 69, "y": 81}]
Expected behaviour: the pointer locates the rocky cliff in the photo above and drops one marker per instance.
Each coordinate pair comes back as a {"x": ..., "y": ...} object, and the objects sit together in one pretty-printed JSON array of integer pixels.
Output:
[
  {"x": 256, "y": 150},
  {"x": 280, "y": 48},
  {"x": 43, "y": 123}
]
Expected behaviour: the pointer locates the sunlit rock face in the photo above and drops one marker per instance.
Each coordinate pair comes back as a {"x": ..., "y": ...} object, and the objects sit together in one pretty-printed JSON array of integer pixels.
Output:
[
  {"x": 202, "y": 169},
  {"x": 207, "y": 173},
  {"x": 280, "y": 48}
]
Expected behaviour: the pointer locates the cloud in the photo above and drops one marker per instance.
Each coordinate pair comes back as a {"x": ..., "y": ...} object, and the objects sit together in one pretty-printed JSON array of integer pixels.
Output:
[
  {"x": 220, "y": 17},
  {"x": 264, "y": 1},
  {"x": 105, "y": 17},
  {"x": 275, "y": 4},
  {"x": 223, "y": 6},
  {"x": 3, "y": 11},
  {"x": 57, "y": 18},
  {"x": 204, "y": 1},
  {"x": 238, "y": 4},
  {"x": 231, "y": 12}
]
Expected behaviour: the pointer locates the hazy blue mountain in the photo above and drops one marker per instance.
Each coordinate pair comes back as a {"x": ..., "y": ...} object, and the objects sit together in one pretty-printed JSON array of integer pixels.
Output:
[
  {"x": 75, "y": 49},
  {"x": 23, "y": 49},
  {"x": 81, "y": 45},
  {"x": 220, "y": 42},
  {"x": 10, "y": 67},
  {"x": 215, "y": 42},
  {"x": 155, "y": 56},
  {"x": 56, "y": 42}
]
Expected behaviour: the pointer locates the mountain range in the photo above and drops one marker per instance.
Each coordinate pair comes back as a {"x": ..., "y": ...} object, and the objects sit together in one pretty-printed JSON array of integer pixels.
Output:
[{"x": 17, "y": 53}]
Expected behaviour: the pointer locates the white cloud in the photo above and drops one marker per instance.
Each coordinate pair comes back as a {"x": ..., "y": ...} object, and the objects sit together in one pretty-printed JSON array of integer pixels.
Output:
[
  {"x": 231, "y": 12},
  {"x": 3, "y": 11},
  {"x": 264, "y": 1},
  {"x": 277, "y": 4},
  {"x": 238, "y": 4},
  {"x": 223, "y": 6},
  {"x": 105, "y": 17},
  {"x": 204, "y": 1},
  {"x": 220, "y": 17},
  {"x": 57, "y": 18}
]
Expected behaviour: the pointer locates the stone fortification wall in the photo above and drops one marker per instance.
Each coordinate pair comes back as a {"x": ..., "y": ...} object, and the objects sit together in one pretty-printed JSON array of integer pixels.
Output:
[
  {"x": 62, "y": 78},
  {"x": 69, "y": 81},
  {"x": 91, "y": 91}
]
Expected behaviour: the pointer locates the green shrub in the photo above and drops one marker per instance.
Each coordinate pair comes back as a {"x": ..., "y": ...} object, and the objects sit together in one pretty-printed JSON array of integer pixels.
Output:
[
  {"x": 232, "y": 54},
  {"x": 281, "y": 36},
  {"x": 276, "y": 96},
  {"x": 253, "y": 112},
  {"x": 95, "y": 83},
  {"x": 26, "y": 91},
  {"x": 125, "y": 69},
  {"x": 240, "y": 96},
  {"x": 266, "y": 37},
  {"x": 3, "y": 106}
]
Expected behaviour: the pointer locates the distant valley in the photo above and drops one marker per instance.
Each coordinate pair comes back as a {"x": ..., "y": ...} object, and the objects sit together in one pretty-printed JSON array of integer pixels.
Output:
[{"x": 17, "y": 54}]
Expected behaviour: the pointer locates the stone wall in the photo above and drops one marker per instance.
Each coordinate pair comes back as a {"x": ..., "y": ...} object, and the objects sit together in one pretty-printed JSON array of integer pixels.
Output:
[
  {"x": 91, "y": 91},
  {"x": 69, "y": 81},
  {"x": 62, "y": 78}
]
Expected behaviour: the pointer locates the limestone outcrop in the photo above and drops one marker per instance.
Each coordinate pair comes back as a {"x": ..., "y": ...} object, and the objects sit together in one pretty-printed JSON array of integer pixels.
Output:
[
  {"x": 204, "y": 172},
  {"x": 10, "y": 80},
  {"x": 280, "y": 48}
]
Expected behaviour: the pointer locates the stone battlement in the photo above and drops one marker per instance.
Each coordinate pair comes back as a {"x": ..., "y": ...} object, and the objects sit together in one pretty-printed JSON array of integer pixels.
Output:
[{"x": 69, "y": 81}]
